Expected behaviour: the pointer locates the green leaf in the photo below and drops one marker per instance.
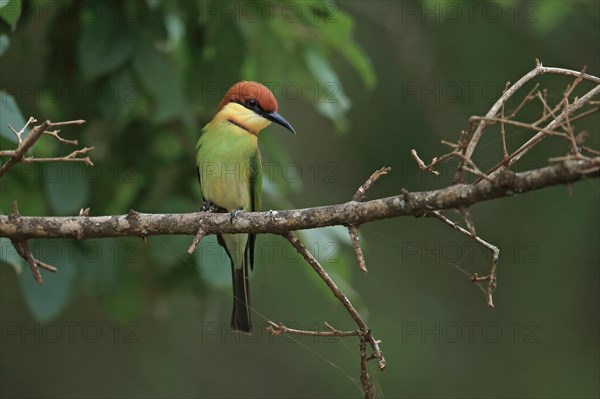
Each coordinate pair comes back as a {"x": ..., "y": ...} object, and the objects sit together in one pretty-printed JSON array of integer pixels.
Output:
[
  {"x": 295, "y": 70},
  {"x": 327, "y": 244},
  {"x": 361, "y": 62},
  {"x": 104, "y": 44},
  {"x": 47, "y": 300},
  {"x": 9, "y": 255},
  {"x": 67, "y": 186},
  {"x": 159, "y": 79},
  {"x": 275, "y": 184},
  {"x": 10, "y": 11},
  {"x": 335, "y": 33},
  {"x": 9, "y": 115},
  {"x": 175, "y": 30},
  {"x": 4, "y": 43},
  {"x": 214, "y": 265},
  {"x": 332, "y": 100}
]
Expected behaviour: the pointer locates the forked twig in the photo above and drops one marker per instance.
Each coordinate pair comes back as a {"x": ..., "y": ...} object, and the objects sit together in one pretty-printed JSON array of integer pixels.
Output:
[
  {"x": 491, "y": 277},
  {"x": 360, "y": 196},
  {"x": 361, "y": 193},
  {"x": 363, "y": 332},
  {"x": 24, "y": 251},
  {"x": 18, "y": 155}
]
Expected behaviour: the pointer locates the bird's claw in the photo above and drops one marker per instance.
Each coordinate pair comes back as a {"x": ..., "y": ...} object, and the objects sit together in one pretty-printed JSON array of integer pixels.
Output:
[
  {"x": 234, "y": 214},
  {"x": 272, "y": 214},
  {"x": 206, "y": 206}
]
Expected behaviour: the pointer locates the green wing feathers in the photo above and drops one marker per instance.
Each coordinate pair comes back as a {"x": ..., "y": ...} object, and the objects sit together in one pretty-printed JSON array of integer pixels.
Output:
[{"x": 256, "y": 194}]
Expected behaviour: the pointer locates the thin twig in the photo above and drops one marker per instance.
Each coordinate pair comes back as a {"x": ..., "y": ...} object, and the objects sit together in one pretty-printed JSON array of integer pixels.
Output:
[
  {"x": 491, "y": 277},
  {"x": 358, "y": 253},
  {"x": 23, "y": 250},
  {"x": 364, "y": 369},
  {"x": 585, "y": 113},
  {"x": 530, "y": 96},
  {"x": 363, "y": 329},
  {"x": 30, "y": 140},
  {"x": 468, "y": 221},
  {"x": 548, "y": 112},
  {"x": 525, "y": 125},
  {"x": 502, "y": 131},
  {"x": 72, "y": 157},
  {"x": 314, "y": 263},
  {"x": 54, "y": 133},
  {"x": 361, "y": 193},
  {"x": 19, "y": 134},
  {"x": 199, "y": 234},
  {"x": 434, "y": 161},
  {"x": 280, "y": 329}
]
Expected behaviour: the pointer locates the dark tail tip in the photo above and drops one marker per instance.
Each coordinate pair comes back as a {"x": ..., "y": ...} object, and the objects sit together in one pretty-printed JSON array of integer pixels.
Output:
[{"x": 240, "y": 317}]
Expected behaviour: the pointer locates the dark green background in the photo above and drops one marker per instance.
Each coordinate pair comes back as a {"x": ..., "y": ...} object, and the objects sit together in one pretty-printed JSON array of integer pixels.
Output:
[{"x": 147, "y": 320}]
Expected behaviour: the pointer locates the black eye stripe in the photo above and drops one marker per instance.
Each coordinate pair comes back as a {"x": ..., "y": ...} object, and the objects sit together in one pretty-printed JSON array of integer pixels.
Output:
[{"x": 250, "y": 103}]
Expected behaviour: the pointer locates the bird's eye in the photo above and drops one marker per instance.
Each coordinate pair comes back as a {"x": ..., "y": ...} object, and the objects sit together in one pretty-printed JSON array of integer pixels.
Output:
[{"x": 251, "y": 102}]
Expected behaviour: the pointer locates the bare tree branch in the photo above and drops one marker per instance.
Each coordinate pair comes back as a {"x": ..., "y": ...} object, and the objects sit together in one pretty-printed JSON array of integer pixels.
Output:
[
  {"x": 505, "y": 184},
  {"x": 508, "y": 93},
  {"x": 18, "y": 155},
  {"x": 518, "y": 154}
]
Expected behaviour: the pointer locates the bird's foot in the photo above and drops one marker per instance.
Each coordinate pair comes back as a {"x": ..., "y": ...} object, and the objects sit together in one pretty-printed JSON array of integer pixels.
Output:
[
  {"x": 208, "y": 206},
  {"x": 235, "y": 214},
  {"x": 272, "y": 214}
]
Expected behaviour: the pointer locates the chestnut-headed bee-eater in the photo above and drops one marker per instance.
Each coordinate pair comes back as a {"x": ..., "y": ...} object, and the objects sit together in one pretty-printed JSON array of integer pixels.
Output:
[{"x": 230, "y": 174}]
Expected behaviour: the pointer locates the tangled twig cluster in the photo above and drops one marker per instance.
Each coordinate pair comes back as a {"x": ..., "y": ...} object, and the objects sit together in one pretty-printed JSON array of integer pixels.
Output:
[{"x": 555, "y": 121}]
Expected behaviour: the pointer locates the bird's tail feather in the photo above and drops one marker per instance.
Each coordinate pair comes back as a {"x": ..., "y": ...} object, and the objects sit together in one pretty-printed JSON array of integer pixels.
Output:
[{"x": 240, "y": 317}]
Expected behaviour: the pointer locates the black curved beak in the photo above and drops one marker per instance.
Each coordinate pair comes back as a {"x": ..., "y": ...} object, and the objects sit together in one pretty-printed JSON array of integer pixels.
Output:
[{"x": 280, "y": 120}]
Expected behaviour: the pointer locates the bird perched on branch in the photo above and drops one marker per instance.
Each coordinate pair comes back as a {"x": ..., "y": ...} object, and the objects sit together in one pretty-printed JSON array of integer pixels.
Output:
[{"x": 230, "y": 174}]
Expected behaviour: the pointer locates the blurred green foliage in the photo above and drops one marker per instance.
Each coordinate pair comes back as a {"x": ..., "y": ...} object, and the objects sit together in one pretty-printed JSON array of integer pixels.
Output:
[
  {"x": 146, "y": 76},
  {"x": 392, "y": 76}
]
